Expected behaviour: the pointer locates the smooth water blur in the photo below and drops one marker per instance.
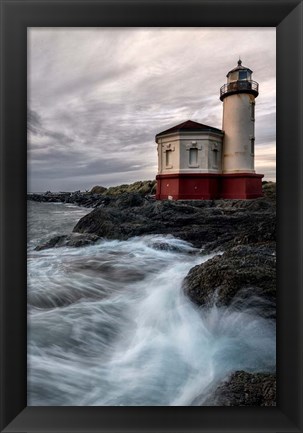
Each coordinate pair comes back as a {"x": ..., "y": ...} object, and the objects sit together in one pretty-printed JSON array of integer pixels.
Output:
[{"x": 108, "y": 324}]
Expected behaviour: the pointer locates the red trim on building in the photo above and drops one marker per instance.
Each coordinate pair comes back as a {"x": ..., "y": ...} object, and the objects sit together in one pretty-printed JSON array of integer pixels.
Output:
[{"x": 208, "y": 186}]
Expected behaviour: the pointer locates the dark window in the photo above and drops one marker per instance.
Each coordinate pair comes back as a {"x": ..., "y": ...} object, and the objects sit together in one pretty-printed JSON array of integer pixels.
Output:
[
  {"x": 252, "y": 145},
  {"x": 242, "y": 75}
]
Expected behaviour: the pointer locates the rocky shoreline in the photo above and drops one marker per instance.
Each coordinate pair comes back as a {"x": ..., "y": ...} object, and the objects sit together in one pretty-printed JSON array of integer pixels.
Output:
[
  {"x": 97, "y": 196},
  {"x": 242, "y": 232}
]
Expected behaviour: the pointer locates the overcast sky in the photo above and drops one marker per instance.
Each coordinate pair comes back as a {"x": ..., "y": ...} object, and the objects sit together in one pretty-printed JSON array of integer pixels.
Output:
[{"x": 98, "y": 96}]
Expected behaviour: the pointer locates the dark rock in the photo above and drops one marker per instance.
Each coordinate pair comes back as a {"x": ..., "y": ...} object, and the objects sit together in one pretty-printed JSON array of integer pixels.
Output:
[
  {"x": 167, "y": 246},
  {"x": 73, "y": 240},
  {"x": 79, "y": 240},
  {"x": 128, "y": 200},
  {"x": 213, "y": 225},
  {"x": 269, "y": 190},
  {"x": 99, "y": 195},
  {"x": 102, "y": 222},
  {"x": 243, "y": 274},
  {"x": 246, "y": 389},
  {"x": 163, "y": 246},
  {"x": 98, "y": 189},
  {"x": 51, "y": 243}
]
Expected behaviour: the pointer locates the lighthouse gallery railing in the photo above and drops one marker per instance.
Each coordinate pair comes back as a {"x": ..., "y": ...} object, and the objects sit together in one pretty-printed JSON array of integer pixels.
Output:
[{"x": 240, "y": 85}]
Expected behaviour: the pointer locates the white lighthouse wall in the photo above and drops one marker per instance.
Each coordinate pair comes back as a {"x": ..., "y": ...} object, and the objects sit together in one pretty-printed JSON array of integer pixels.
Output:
[
  {"x": 239, "y": 130},
  {"x": 206, "y": 156}
]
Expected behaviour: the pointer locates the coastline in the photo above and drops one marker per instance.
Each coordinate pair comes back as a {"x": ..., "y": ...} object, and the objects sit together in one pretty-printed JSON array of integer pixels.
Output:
[{"x": 243, "y": 230}]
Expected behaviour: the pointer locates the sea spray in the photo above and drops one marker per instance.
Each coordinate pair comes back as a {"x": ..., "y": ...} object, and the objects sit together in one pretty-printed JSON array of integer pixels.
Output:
[{"x": 109, "y": 324}]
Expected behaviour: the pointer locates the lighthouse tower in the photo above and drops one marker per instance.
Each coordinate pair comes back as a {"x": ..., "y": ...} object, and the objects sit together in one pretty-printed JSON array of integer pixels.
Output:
[{"x": 238, "y": 96}]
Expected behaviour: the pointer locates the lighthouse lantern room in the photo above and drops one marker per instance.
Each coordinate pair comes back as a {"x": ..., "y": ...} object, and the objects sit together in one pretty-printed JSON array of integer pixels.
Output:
[{"x": 197, "y": 161}]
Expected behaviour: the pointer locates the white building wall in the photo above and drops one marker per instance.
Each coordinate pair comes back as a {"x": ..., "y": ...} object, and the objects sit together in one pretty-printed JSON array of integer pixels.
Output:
[
  {"x": 207, "y": 146},
  {"x": 169, "y": 144},
  {"x": 239, "y": 131},
  {"x": 193, "y": 144}
]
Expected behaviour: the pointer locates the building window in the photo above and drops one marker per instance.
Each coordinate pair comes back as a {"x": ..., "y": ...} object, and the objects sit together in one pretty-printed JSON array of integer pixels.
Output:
[
  {"x": 193, "y": 156},
  {"x": 242, "y": 75},
  {"x": 252, "y": 110},
  {"x": 215, "y": 158},
  {"x": 252, "y": 145},
  {"x": 168, "y": 158},
  {"x": 233, "y": 76}
]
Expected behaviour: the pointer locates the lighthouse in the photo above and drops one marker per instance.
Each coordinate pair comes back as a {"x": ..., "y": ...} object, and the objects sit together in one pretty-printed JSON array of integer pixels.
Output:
[
  {"x": 238, "y": 96},
  {"x": 198, "y": 161}
]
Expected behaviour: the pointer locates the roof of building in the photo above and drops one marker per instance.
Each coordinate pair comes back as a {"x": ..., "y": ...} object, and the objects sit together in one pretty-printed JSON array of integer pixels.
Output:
[
  {"x": 239, "y": 67},
  {"x": 190, "y": 125}
]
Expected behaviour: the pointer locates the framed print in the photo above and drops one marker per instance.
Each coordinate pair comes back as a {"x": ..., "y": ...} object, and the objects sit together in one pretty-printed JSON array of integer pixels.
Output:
[
  {"x": 110, "y": 294},
  {"x": 130, "y": 402}
]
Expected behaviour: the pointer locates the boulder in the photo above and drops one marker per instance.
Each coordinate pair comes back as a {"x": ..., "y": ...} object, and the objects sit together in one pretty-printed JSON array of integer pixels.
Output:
[
  {"x": 98, "y": 189},
  {"x": 246, "y": 273},
  {"x": 72, "y": 240},
  {"x": 246, "y": 389}
]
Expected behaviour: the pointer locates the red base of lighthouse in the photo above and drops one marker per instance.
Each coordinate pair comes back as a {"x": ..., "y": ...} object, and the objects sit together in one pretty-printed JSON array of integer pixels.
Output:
[
  {"x": 207, "y": 186},
  {"x": 241, "y": 186}
]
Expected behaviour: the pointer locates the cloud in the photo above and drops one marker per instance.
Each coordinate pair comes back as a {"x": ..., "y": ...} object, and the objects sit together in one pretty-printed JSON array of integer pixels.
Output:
[{"x": 98, "y": 96}]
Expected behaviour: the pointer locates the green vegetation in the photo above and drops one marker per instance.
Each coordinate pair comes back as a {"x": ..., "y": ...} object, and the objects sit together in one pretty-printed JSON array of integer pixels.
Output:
[
  {"x": 141, "y": 187},
  {"x": 269, "y": 190}
]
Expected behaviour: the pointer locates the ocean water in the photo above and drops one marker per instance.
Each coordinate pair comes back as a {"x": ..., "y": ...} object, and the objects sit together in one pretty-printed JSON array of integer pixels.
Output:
[{"x": 109, "y": 324}]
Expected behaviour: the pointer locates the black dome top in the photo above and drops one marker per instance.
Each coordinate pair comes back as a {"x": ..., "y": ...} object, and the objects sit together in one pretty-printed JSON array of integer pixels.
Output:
[{"x": 239, "y": 67}]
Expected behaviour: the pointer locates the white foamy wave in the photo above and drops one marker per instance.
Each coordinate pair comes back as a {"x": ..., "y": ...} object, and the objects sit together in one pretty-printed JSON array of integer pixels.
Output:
[{"x": 109, "y": 324}]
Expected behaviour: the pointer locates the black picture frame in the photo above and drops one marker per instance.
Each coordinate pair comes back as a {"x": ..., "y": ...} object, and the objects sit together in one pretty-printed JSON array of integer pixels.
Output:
[{"x": 16, "y": 16}]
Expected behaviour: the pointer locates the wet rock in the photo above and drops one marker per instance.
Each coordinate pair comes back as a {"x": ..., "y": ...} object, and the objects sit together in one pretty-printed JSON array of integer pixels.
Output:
[
  {"x": 51, "y": 243},
  {"x": 211, "y": 225},
  {"x": 246, "y": 389},
  {"x": 163, "y": 246},
  {"x": 167, "y": 246},
  {"x": 72, "y": 240},
  {"x": 129, "y": 200},
  {"x": 243, "y": 274},
  {"x": 102, "y": 222}
]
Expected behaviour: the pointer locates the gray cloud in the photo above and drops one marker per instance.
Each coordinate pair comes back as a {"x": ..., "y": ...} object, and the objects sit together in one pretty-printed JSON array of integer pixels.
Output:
[{"x": 97, "y": 97}]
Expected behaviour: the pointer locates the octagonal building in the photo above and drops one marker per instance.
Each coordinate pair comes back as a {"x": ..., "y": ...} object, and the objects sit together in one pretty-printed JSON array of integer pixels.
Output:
[{"x": 189, "y": 161}]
